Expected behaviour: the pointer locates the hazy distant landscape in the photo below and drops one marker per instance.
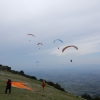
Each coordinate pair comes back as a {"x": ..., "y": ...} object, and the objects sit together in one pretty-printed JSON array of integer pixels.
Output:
[
  {"x": 54, "y": 40},
  {"x": 76, "y": 81}
]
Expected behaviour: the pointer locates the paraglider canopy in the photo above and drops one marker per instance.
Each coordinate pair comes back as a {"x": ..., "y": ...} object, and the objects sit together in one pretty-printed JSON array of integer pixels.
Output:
[
  {"x": 68, "y": 47},
  {"x": 31, "y": 34},
  {"x": 39, "y": 44},
  {"x": 37, "y": 62},
  {"x": 58, "y": 40}
]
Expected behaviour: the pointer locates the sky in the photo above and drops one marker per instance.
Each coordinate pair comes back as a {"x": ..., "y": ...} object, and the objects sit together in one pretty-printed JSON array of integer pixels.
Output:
[{"x": 75, "y": 22}]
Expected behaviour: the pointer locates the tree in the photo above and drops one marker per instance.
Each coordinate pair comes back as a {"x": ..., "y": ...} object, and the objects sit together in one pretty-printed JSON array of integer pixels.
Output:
[
  {"x": 96, "y": 98},
  {"x": 21, "y": 72},
  {"x": 86, "y": 96}
]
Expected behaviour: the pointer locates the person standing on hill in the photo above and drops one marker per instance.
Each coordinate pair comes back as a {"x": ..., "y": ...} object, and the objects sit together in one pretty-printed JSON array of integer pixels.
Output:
[
  {"x": 8, "y": 86},
  {"x": 43, "y": 85}
]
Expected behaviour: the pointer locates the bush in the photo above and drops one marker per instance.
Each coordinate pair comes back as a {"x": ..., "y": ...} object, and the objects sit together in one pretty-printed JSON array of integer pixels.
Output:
[{"x": 86, "y": 96}]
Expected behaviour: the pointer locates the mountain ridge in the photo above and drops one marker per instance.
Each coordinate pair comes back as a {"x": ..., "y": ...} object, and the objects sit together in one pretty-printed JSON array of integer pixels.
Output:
[{"x": 50, "y": 93}]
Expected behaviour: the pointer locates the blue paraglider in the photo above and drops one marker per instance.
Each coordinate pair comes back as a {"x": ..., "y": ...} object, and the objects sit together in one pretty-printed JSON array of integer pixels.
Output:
[{"x": 58, "y": 40}]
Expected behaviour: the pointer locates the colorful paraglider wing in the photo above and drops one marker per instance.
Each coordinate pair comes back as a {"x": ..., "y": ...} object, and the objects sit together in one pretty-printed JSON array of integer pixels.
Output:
[
  {"x": 39, "y": 44},
  {"x": 21, "y": 85},
  {"x": 31, "y": 34},
  {"x": 68, "y": 47},
  {"x": 58, "y": 40}
]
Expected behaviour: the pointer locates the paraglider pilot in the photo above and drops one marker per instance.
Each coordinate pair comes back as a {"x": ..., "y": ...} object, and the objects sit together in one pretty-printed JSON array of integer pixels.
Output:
[
  {"x": 43, "y": 84},
  {"x": 8, "y": 86},
  {"x": 71, "y": 60}
]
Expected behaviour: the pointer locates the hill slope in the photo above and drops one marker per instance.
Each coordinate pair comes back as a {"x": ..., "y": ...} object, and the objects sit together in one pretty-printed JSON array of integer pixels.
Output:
[{"x": 50, "y": 93}]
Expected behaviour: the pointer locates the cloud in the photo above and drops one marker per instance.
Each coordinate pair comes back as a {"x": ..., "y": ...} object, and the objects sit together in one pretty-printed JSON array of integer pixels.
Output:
[
  {"x": 75, "y": 22},
  {"x": 85, "y": 46}
]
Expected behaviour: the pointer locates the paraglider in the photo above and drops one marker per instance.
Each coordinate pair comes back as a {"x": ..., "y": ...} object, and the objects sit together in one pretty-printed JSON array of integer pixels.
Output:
[
  {"x": 21, "y": 85},
  {"x": 58, "y": 40},
  {"x": 68, "y": 47},
  {"x": 39, "y": 44},
  {"x": 37, "y": 62},
  {"x": 31, "y": 35}
]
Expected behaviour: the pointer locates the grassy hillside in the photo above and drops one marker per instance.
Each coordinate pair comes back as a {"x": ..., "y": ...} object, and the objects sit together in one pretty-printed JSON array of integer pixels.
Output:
[{"x": 50, "y": 93}]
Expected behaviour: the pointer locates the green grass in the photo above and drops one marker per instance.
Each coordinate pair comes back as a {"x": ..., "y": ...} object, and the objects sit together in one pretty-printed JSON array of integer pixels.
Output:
[{"x": 50, "y": 93}]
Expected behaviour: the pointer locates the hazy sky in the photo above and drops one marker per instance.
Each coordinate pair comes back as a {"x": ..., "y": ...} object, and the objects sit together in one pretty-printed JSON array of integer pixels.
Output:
[{"x": 75, "y": 22}]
